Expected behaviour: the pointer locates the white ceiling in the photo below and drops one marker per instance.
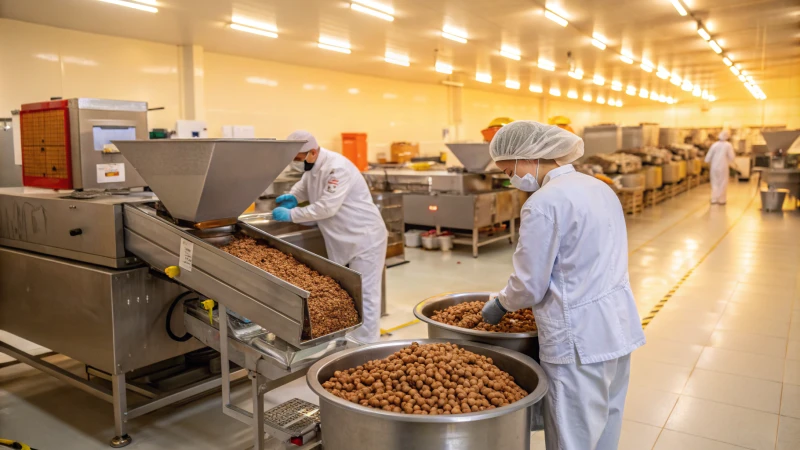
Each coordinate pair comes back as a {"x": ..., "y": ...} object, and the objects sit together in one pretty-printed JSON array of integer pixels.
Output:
[{"x": 761, "y": 35}]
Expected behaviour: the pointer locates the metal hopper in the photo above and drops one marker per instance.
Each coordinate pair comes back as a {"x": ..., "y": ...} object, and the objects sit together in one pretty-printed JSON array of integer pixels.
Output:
[
  {"x": 780, "y": 140},
  {"x": 474, "y": 157},
  {"x": 201, "y": 180}
]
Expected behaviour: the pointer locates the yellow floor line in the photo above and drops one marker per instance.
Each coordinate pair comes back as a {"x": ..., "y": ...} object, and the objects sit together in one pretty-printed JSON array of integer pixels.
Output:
[
  {"x": 402, "y": 325},
  {"x": 650, "y": 316}
]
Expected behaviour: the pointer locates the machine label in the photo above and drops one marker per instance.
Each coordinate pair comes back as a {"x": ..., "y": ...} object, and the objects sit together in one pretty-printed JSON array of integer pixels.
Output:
[
  {"x": 187, "y": 248},
  {"x": 111, "y": 173}
]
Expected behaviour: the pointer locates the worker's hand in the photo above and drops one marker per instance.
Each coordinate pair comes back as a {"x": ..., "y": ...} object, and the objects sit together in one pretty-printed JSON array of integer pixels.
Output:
[
  {"x": 282, "y": 214},
  {"x": 287, "y": 201},
  {"x": 493, "y": 311}
]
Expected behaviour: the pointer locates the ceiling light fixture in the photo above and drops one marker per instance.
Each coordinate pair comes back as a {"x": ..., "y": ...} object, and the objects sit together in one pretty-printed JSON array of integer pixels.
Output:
[
  {"x": 373, "y": 9},
  {"x": 626, "y": 58},
  {"x": 676, "y": 80},
  {"x": 535, "y": 88},
  {"x": 662, "y": 98},
  {"x": 711, "y": 98},
  {"x": 643, "y": 93},
  {"x": 254, "y": 26},
  {"x": 555, "y": 17},
  {"x": 454, "y": 34},
  {"x": 714, "y": 46},
  {"x": 334, "y": 45},
  {"x": 619, "y": 103},
  {"x": 546, "y": 65},
  {"x": 133, "y": 5},
  {"x": 577, "y": 74},
  {"x": 396, "y": 58},
  {"x": 246, "y": 29},
  {"x": 587, "y": 97},
  {"x": 662, "y": 73},
  {"x": 511, "y": 53},
  {"x": 601, "y": 100},
  {"x": 697, "y": 92},
  {"x": 749, "y": 78},
  {"x": 727, "y": 61},
  {"x": 686, "y": 86},
  {"x": 616, "y": 86},
  {"x": 572, "y": 94},
  {"x": 735, "y": 70},
  {"x": 653, "y": 96},
  {"x": 704, "y": 95},
  {"x": 631, "y": 90},
  {"x": 598, "y": 80},
  {"x": 742, "y": 78},
  {"x": 612, "y": 102},
  {"x": 483, "y": 77},
  {"x": 555, "y": 92},
  {"x": 647, "y": 66},
  {"x": 442, "y": 67},
  {"x": 702, "y": 32},
  {"x": 512, "y": 84},
  {"x": 599, "y": 41},
  {"x": 679, "y": 7}
]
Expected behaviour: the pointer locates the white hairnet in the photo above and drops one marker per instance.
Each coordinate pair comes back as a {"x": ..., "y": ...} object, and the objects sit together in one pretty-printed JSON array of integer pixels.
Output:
[
  {"x": 724, "y": 135},
  {"x": 526, "y": 139},
  {"x": 302, "y": 135}
]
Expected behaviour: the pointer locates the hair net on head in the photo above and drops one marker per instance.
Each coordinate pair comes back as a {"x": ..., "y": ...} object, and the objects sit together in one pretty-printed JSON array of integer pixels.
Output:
[
  {"x": 526, "y": 139},
  {"x": 302, "y": 135},
  {"x": 724, "y": 135}
]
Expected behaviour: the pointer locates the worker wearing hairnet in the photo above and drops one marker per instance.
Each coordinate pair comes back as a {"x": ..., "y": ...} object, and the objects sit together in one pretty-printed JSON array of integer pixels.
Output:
[
  {"x": 720, "y": 156},
  {"x": 571, "y": 267},
  {"x": 341, "y": 205}
]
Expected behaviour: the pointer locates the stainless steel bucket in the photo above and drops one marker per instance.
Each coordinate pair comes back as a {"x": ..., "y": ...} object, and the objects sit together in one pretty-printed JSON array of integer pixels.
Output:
[
  {"x": 349, "y": 426},
  {"x": 772, "y": 200}
]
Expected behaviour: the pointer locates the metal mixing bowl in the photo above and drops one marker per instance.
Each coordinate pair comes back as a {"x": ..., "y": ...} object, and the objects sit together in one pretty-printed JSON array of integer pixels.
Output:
[
  {"x": 350, "y": 426},
  {"x": 527, "y": 343}
]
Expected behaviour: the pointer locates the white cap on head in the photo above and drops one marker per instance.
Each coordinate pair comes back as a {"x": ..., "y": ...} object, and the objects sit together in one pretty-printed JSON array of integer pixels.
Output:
[
  {"x": 303, "y": 135},
  {"x": 526, "y": 139},
  {"x": 724, "y": 135}
]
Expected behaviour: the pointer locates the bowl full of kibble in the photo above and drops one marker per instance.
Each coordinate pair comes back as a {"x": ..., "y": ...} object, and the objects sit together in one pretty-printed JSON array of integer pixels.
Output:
[
  {"x": 458, "y": 316},
  {"x": 427, "y": 394}
]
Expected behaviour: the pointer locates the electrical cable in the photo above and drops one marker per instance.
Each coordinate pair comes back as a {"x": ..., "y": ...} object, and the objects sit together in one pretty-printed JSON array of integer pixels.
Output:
[{"x": 172, "y": 335}]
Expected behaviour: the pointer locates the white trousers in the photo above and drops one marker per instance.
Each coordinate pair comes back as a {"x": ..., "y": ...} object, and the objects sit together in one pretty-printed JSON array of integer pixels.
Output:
[
  {"x": 370, "y": 265},
  {"x": 719, "y": 184},
  {"x": 584, "y": 403}
]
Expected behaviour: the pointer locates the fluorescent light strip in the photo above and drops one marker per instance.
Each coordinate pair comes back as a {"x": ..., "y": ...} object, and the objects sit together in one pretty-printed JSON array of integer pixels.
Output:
[
  {"x": 697, "y": 92},
  {"x": 372, "y": 12},
  {"x": 252, "y": 30},
  {"x": 483, "y": 77},
  {"x": 254, "y": 24},
  {"x": 711, "y": 98},
  {"x": 653, "y": 96},
  {"x": 626, "y": 59},
  {"x": 333, "y": 48},
  {"x": 647, "y": 66},
  {"x": 572, "y": 94},
  {"x": 727, "y": 61},
  {"x": 555, "y": 92},
  {"x": 587, "y": 97},
  {"x": 576, "y": 74},
  {"x": 619, "y": 103},
  {"x": 686, "y": 86},
  {"x": 555, "y": 17},
  {"x": 512, "y": 84},
  {"x": 453, "y": 37},
  {"x": 599, "y": 41},
  {"x": 611, "y": 102},
  {"x": 133, "y": 5},
  {"x": 735, "y": 70},
  {"x": 662, "y": 98},
  {"x": 376, "y": 6},
  {"x": 714, "y": 46},
  {"x": 679, "y": 7},
  {"x": 598, "y": 44},
  {"x": 511, "y": 54},
  {"x": 643, "y": 93},
  {"x": 704, "y": 95},
  {"x": 535, "y": 88},
  {"x": 147, "y": 2},
  {"x": 444, "y": 68},
  {"x": 398, "y": 59},
  {"x": 662, "y": 73},
  {"x": 598, "y": 80},
  {"x": 703, "y": 33},
  {"x": 676, "y": 80},
  {"x": 631, "y": 90},
  {"x": 601, "y": 100},
  {"x": 546, "y": 65},
  {"x": 616, "y": 86}
]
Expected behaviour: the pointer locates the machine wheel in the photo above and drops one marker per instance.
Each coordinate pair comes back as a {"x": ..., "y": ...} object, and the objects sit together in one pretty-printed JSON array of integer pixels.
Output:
[{"x": 121, "y": 441}]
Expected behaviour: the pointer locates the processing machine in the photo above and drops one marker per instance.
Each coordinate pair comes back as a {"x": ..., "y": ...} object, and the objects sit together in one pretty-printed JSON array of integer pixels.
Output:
[
  {"x": 468, "y": 200},
  {"x": 96, "y": 273}
]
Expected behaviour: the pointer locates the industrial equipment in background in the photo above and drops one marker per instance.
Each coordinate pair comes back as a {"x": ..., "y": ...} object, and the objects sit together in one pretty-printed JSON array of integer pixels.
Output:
[
  {"x": 88, "y": 273},
  {"x": 782, "y": 174}
]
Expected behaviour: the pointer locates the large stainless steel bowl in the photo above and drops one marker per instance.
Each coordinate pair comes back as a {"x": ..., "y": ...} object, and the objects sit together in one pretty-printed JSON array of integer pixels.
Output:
[
  {"x": 350, "y": 426},
  {"x": 527, "y": 343}
]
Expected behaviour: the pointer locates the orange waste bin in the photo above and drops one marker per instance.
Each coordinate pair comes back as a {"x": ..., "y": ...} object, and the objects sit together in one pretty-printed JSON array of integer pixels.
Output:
[{"x": 354, "y": 148}]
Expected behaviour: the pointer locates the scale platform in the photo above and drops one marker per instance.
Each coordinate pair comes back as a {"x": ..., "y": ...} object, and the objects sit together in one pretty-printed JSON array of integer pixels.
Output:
[{"x": 295, "y": 421}]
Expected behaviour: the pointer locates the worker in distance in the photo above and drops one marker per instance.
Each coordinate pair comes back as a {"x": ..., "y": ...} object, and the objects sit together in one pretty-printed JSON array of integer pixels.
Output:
[
  {"x": 720, "y": 157},
  {"x": 341, "y": 205},
  {"x": 571, "y": 267}
]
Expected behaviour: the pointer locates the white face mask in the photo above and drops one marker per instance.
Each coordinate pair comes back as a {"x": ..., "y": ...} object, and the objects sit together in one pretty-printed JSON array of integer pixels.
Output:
[
  {"x": 528, "y": 183},
  {"x": 297, "y": 166}
]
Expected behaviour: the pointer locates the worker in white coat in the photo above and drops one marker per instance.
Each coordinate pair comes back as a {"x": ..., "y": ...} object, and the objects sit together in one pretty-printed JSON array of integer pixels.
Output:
[
  {"x": 341, "y": 205},
  {"x": 720, "y": 156},
  {"x": 571, "y": 267}
]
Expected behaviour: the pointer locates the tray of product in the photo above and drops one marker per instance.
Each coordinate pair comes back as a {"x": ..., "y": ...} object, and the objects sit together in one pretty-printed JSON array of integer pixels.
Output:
[
  {"x": 458, "y": 316},
  {"x": 301, "y": 297}
]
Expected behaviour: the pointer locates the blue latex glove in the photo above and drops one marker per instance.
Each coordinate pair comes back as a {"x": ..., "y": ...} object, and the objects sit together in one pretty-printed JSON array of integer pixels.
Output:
[
  {"x": 287, "y": 201},
  {"x": 282, "y": 214},
  {"x": 493, "y": 311}
]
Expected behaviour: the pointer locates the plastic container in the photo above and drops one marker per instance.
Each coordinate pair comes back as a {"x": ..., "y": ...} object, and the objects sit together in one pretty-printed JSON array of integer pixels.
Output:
[
  {"x": 430, "y": 242},
  {"x": 413, "y": 238},
  {"x": 671, "y": 173},
  {"x": 633, "y": 180},
  {"x": 445, "y": 243},
  {"x": 354, "y": 148}
]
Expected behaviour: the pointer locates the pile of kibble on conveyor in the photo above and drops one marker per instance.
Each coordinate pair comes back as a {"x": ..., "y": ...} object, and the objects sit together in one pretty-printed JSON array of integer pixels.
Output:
[
  {"x": 331, "y": 307},
  {"x": 468, "y": 315},
  {"x": 428, "y": 379}
]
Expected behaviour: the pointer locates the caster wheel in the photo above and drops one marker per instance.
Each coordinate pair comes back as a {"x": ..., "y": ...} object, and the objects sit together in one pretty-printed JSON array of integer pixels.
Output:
[{"x": 121, "y": 441}]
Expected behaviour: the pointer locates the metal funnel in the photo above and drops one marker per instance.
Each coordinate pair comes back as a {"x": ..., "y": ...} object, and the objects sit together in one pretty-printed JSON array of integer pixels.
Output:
[
  {"x": 199, "y": 180},
  {"x": 782, "y": 139},
  {"x": 474, "y": 157}
]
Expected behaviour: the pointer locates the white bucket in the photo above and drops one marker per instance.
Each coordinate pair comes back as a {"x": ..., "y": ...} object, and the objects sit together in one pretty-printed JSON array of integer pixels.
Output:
[
  {"x": 413, "y": 238},
  {"x": 445, "y": 243},
  {"x": 430, "y": 242}
]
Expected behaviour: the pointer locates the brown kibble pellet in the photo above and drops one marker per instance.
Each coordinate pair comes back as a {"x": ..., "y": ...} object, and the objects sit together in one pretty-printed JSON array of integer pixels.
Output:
[
  {"x": 468, "y": 315},
  {"x": 331, "y": 308},
  {"x": 465, "y": 394}
]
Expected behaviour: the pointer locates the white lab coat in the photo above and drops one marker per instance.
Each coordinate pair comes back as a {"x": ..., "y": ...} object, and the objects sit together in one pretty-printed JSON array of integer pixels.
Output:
[
  {"x": 354, "y": 232},
  {"x": 720, "y": 156},
  {"x": 571, "y": 267}
]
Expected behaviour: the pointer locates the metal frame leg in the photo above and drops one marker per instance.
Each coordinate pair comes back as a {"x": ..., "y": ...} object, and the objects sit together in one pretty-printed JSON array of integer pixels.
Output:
[
  {"x": 120, "y": 405},
  {"x": 475, "y": 236},
  {"x": 257, "y": 382},
  {"x": 512, "y": 225}
]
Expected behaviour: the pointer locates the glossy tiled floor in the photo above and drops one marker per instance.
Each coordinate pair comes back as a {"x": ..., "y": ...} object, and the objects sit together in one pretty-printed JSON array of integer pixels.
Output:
[{"x": 720, "y": 371}]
